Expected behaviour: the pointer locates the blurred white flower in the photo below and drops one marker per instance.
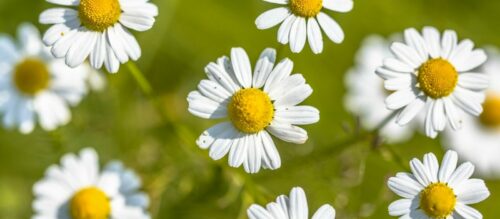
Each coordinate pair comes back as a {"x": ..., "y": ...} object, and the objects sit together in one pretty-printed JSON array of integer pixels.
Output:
[
  {"x": 36, "y": 86},
  {"x": 255, "y": 105},
  {"x": 303, "y": 20},
  {"x": 479, "y": 140},
  {"x": 77, "y": 189},
  {"x": 95, "y": 28},
  {"x": 431, "y": 191},
  {"x": 366, "y": 93},
  {"x": 433, "y": 74},
  {"x": 293, "y": 207}
]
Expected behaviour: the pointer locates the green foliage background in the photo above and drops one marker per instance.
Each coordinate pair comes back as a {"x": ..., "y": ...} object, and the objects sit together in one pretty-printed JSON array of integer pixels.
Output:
[{"x": 155, "y": 135}]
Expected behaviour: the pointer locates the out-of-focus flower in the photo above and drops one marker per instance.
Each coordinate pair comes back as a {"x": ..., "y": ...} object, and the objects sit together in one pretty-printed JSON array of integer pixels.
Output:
[
  {"x": 95, "y": 28},
  {"x": 303, "y": 20},
  {"x": 433, "y": 191},
  {"x": 256, "y": 105},
  {"x": 77, "y": 189},
  {"x": 293, "y": 207},
  {"x": 479, "y": 140},
  {"x": 34, "y": 86},
  {"x": 434, "y": 74},
  {"x": 366, "y": 93}
]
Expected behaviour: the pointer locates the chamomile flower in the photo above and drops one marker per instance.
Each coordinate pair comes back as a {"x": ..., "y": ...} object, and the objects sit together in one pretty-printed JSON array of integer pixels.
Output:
[
  {"x": 303, "y": 20},
  {"x": 77, "y": 189},
  {"x": 255, "y": 104},
  {"x": 366, "y": 93},
  {"x": 479, "y": 140},
  {"x": 435, "y": 192},
  {"x": 436, "y": 75},
  {"x": 34, "y": 86},
  {"x": 293, "y": 207},
  {"x": 97, "y": 28}
]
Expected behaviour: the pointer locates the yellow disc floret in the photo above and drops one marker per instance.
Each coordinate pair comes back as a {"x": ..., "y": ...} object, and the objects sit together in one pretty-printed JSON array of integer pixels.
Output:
[
  {"x": 306, "y": 8},
  {"x": 438, "y": 200},
  {"x": 437, "y": 78},
  {"x": 98, "y": 15},
  {"x": 491, "y": 111},
  {"x": 90, "y": 203},
  {"x": 250, "y": 110},
  {"x": 31, "y": 76}
]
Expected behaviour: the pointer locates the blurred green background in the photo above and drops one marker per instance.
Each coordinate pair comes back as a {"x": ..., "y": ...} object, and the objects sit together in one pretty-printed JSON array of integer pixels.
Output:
[{"x": 155, "y": 135}]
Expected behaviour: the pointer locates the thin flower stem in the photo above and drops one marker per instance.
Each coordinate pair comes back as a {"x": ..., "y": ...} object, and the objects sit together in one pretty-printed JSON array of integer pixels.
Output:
[{"x": 139, "y": 77}]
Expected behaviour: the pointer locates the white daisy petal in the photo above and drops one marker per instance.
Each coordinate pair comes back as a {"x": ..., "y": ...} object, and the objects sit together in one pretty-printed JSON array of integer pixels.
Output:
[
  {"x": 471, "y": 61},
  {"x": 432, "y": 165},
  {"x": 288, "y": 133},
  {"x": 338, "y": 5},
  {"x": 57, "y": 15},
  {"x": 276, "y": 210},
  {"x": 438, "y": 115},
  {"x": 448, "y": 166},
  {"x": 407, "y": 54},
  {"x": 241, "y": 67},
  {"x": 331, "y": 27},
  {"x": 325, "y": 212},
  {"x": 282, "y": 70},
  {"x": 65, "y": 2},
  {"x": 410, "y": 111},
  {"x": 415, "y": 40},
  {"x": 272, "y": 158},
  {"x": 402, "y": 207},
  {"x": 280, "y": 89},
  {"x": 453, "y": 115},
  {"x": 430, "y": 131},
  {"x": 467, "y": 212},
  {"x": 285, "y": 28},
  {"x": 400, "y": 99},
  {"x": 400, "y": 83},
  {"x": 297, "y": 115},
  {"x": 208, "y": 137},
  {"x": 223, "y": 143},
  {"x": 314, "y": 36},
  {"x": 137, "y": 21},
  {"x": 238, "y": 153},
  {"x": 204, "y": 107},
  {"x": 298, "y": 35},
  {"x": 298, "y": 204},
  {"x": 474, "y": 81},
  {"x": 471, "y": 191},
  {"x": 294, "y": 97},
  {"x": 448, "y": 43},
  {"x": 420, "y": 172},
  {"x": 263, "y": 67},
  {"x": 469, "y": 101},
  {"x": 461, "y": 174},
  {"x": 217, "y": 74},
  {"x": 281, "y": 2},
  {"x": 432, "y": 38},
  {"x": 81, "y": 49},
  {"x": 254, "y": 157},
  {"x": 398, "y": 66},
  {"x": 272, "y": 18},
  {"x": 258, "y": 212},
  {"x": 98, "y": 53}
]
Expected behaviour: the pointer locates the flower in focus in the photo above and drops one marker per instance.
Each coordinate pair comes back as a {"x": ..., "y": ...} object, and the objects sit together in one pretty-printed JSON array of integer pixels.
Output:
[
  {"x": 366, "y": 93},
  {"x": 435, "y": 192},
  {"x": 433, "y": 73},
  {"x": 303, "y": 20},
  {"x": 96, "y": 28},
  {"x": 77, "y": 189},
  {"x": 256, "y": 104},
  {"x": 293, "y": 207},
  {"x": 34, "y": 86},
  {"x": 479, "y": 140}
]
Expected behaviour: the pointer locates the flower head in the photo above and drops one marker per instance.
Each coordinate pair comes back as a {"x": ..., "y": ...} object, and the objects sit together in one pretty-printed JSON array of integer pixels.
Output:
[
  {"x": 303, "y": 20},
  {"x": 433, "y": 74},
  {"x": 255, "y": 104},
  {"x": 95, "y": 29},
  {"x": 77, "y": 189},
  {"x": 437, "y": 192},
  {"x": 34, "y": 86},
  {"x": 292, "y": 207}
]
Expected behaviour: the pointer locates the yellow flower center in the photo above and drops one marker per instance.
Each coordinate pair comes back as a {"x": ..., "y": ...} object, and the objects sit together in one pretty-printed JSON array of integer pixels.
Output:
[
  {"x": 90, "y": 203},
  {"x": 306, "y": 8},
  {"x": 438, "y": 200},
  {"x": 250, "y": 110},
  {"x": 491, "y": 111},
  {"x": 98, "y": 15},
  {"x": 437, "y": 78},
  {"x": 31, "y": 76}
]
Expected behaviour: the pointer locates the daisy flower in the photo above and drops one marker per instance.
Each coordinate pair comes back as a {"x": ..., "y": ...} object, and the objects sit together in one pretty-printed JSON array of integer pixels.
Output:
[
  {"x": 97, "y": 28},
  {"x": 435, "y": 192},
  {"x": 34, "y": 86},
  {"x": 366, "y": 93},
  {"x": 303, "y": 20},
  {"x": 77, "y": 189},
  {"x": 436, "y": 75},
  {"x": 293, "y": 207},
  {"x": 479, "y": 140},
  {"x": 256, "y": 104}
]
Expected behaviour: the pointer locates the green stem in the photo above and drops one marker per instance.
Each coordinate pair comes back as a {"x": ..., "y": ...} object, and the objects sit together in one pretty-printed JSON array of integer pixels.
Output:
[{"x": 139, "y": 77}]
